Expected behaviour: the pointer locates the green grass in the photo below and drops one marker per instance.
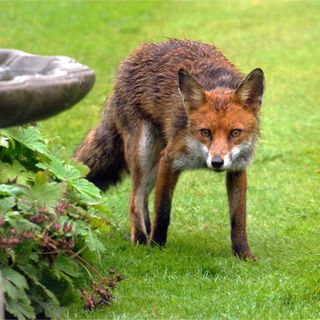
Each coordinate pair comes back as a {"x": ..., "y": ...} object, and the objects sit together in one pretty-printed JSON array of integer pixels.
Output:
[{"x": 196, "y": 276}]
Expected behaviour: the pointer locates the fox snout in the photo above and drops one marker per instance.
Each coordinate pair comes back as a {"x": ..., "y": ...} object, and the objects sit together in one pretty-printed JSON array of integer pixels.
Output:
[
  {"x": 217, "y": 162},
  {"x": 236, "y": 159}
]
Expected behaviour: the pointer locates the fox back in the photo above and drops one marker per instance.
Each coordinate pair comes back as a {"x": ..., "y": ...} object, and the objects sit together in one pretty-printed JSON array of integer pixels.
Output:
[{"x": 176, "y": 105}]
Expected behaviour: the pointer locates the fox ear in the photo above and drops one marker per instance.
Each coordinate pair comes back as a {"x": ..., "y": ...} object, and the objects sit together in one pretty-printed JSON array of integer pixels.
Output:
[
  {"x": 192, "y": 93},
  {"x": 251, "y": 90}
]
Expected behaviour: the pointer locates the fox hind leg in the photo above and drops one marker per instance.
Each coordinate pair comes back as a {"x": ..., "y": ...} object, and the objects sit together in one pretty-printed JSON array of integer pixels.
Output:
[
  {"x": 151, "y": 179},
  {"x": 142, "y": 152}
]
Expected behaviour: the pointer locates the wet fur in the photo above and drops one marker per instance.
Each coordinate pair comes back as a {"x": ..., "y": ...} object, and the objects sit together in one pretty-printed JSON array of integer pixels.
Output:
[{"x": 146, "y": 129}]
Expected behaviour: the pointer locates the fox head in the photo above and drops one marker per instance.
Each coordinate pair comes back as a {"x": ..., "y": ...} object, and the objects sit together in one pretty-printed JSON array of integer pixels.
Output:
[{"x": 224, "y": 122}]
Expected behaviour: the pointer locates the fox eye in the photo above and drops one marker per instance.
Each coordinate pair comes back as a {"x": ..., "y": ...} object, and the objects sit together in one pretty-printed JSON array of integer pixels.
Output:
[
  {"x": 205, "y": 133},
  {"x": 235, "y": 133}
]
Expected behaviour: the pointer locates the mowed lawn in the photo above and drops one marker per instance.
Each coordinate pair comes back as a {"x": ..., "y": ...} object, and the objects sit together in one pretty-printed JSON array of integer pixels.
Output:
[{"x": 195, "y": 276}]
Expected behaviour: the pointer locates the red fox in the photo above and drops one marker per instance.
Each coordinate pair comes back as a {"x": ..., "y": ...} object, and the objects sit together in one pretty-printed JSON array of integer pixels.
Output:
[{"x": 176, "y": 105}]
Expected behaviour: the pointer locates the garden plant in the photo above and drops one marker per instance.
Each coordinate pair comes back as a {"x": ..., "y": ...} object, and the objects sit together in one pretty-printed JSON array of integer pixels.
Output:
[{"x": 50, "y": 218}]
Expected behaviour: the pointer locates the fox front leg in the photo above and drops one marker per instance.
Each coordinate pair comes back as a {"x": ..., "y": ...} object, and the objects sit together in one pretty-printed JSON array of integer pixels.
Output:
[
  {"x": 237, "y": 190},
  {"x": 165, "y": 184}
]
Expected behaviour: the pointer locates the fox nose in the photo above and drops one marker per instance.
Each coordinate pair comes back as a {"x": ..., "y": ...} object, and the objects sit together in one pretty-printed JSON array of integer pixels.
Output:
[{"x": 217, "y": 162}]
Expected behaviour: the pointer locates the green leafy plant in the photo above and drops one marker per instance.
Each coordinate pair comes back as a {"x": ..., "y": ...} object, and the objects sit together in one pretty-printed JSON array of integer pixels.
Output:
[{"x": 50, "y": 222}]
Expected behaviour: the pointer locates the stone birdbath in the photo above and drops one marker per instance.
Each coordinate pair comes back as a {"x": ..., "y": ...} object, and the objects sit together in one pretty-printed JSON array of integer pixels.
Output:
[{"x": 34, "y": 87}]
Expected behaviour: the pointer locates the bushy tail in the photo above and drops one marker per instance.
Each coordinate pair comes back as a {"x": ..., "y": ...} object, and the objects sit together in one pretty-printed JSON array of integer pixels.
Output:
[{"x": 102, "y": 151}]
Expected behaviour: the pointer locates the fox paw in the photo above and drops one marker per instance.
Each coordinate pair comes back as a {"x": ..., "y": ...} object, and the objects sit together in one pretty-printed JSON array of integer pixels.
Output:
[
  {"x": 246, "y": 256},
  {"x": 138, "y": 237}
]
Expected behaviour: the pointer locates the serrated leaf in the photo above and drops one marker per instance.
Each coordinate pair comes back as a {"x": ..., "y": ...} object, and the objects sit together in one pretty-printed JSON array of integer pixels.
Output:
[
  {"x": 24, "y": 254},
  {"x": 29, "y": 137},
  {"x": 62, "y": 171},
  {"x": 14, "y": 277},
  {"x": 25, "y": 177},
  {"x": 16, "y": 299},
  {"x": 63, "y": 287},
  {"x": 83, "y": 169},
  {"x": 33, "y": 274},
  {"x": 14, "y": 172},
  {"x": 6, "y": 173},
  {"x": 11, "y": 190},
  {"x": 21, "y": 307},
  {"x": 49, "y": 307},
  {"x": 94, "y": 244},
  {"x": 43, "y": 193},
  {"x": 7, "y": 203},
  {"x": 73, "y": 176},
  {"x": 18, "y": 222},
  {"x": 87, "y": 189},
  {"x": 81, "y": 228},
  {"x": 11, "y": 290},
  {"x": 68, "y": 266}
]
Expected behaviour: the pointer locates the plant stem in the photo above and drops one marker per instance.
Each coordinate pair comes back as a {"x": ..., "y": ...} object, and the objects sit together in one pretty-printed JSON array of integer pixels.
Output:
[{"x": 85, "y": 262}]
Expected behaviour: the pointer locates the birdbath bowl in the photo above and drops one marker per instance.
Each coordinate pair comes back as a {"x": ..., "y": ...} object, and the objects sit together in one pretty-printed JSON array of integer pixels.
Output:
[{"x": 34, "y": 87}]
